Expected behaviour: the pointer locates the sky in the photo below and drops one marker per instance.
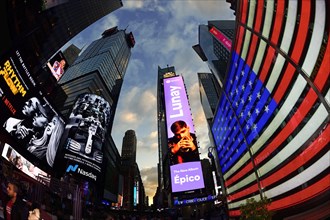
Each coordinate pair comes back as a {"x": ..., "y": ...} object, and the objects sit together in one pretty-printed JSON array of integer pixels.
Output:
[{"x": 164, "y": 32}]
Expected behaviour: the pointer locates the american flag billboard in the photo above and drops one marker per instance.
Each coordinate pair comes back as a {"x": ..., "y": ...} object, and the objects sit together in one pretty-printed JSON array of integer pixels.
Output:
[{"x": 271, "y": 128}]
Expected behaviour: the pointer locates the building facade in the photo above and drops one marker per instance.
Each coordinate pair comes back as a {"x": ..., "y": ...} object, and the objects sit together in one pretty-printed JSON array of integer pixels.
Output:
[
  {"x": 128, "y": 151},
  {"x": 71, "y": 53},
  {"x": 271, "y": 128},
  {"x": 163, "y": 173},
  {"x": 209, "y": 92},
  {"x": 133, "y": 189},
  {"x": 214, "y": 46},
  {"x": 44, "y": 27},
  {"x": 100, "y": 69}
]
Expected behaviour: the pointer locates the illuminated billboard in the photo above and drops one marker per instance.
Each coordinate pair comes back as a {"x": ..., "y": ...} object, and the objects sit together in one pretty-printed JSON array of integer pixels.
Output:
[
  {"x": 271, "y": 128},
  {"x": 24, "y": 165},
  {"x": 26, "y": 114},
  {"x": 57, "y": 65},
  {"x": 85, "y": 135},
  {"x": 186, "y": 176},
  {"x": 221, "y": 37},
  {"x": 182, "y": 143}
]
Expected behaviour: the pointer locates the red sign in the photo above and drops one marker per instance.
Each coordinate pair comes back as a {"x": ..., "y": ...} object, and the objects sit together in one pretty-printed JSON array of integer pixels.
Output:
[{"x": 221, "y": 37}]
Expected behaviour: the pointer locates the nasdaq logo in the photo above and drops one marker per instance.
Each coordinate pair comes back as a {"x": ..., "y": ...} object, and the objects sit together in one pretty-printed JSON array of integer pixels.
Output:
[
  {"x": 72, "y": 168},
  {"x": 81, "y": 171}
]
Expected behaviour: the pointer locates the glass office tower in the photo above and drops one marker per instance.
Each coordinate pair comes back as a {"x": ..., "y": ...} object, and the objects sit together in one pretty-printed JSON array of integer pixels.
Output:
[
  {"x": 271, "y": 128},
  {"x": 100, "y": 69},
  {"x": 45, "y": 26},
  {"x": 163, "y": 173}
]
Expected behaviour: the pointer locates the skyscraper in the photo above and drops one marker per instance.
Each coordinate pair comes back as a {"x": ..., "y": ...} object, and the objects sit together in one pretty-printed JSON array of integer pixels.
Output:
[
  {"x": 271, "y": 128},
  {"x": 45, "y": 28},
  {"x": 214, "y": 46},
  {"x": 71, "y": 53},
  {"x": 133, "y": 189},
  {"x": 128, "y": 151},
  {"x": 180, "y": 169},
  {"x": 100, "y": 69},
  {"x": 209, "y": 91},
  {"x": 163, "y": 174},
  {"x": 38, "y": 29}
]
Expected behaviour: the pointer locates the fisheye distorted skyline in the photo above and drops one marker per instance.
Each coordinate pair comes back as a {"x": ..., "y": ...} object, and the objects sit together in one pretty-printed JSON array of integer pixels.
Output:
[{"x": 164, "y": 32}]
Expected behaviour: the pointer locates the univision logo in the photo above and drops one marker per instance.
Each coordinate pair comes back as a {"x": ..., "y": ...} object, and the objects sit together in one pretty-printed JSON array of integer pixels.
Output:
[{"x": 80, "y": 171}]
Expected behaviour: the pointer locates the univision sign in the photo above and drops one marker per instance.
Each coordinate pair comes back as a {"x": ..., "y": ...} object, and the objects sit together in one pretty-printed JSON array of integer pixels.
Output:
[{"x": 76, "y": 169}]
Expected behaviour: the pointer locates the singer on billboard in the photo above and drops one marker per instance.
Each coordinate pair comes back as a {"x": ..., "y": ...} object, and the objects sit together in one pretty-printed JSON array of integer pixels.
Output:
[{"x": 183, "y": 144}]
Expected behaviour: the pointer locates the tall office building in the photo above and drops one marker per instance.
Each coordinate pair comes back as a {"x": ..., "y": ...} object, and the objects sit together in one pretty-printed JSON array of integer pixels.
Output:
[
  {"x": 209, "y": 91},
  {"x": 128, "y": 151},
  {"x": 272, "y": 128},
  {"x": 71, "y": 53},
  {"x": 43, "y": 27},
  {"x": 178, "y": 148},
  {"x": 133, "y": 189},
  {"x": 214, "y": 46},
  {"x": 163, "y": 174},
  {"x": 100, "y": 69},
  {"x": 38, "y": 29}
]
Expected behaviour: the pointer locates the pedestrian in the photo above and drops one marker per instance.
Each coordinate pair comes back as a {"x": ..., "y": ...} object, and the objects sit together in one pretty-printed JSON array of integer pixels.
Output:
[{"x": 16, "y": 208}]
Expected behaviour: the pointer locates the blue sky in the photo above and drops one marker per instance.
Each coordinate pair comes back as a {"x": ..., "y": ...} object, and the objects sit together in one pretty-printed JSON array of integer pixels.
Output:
[{"x": 164, "y": 31}]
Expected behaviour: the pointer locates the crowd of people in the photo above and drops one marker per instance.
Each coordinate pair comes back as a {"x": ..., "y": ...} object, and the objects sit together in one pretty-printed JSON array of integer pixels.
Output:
[{"x": 15, "y": 207}]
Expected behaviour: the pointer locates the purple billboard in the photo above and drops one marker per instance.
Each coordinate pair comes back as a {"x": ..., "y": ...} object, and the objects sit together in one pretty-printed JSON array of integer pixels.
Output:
[
  {"x": 182, "y": 143},
  {"x": 187, "y": 176}
]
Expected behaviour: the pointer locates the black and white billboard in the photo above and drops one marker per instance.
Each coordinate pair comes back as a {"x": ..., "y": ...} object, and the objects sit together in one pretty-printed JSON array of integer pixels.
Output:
[
  {"x": 26, "y": 114},
  {"x": 85, "y": 134}
]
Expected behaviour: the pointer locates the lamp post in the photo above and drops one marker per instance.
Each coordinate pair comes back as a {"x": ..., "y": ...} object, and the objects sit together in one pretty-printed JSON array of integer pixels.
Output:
[{"x": 221, "y": 194}]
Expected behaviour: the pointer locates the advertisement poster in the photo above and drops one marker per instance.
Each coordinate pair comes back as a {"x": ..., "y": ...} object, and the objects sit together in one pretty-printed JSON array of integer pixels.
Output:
[
  {"x": 187, "y": 176},
  {"x": 24, "y": 165},
  {"x": 85, "y": 134},
  {"x": 182, "y": 143},
  {"x": 57, "y": 65},
  {"x": 26, "y": 114}
]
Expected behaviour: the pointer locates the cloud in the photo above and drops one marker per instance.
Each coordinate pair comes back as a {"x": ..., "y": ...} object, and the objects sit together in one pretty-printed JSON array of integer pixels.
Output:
[
  {"x": 129, "y": 117},
  {"x": 150, "y": 5},
  {"x": 150, "y": 180},
  {"x": 201, "y": 10},
  {"x": 133, "y": 5}
]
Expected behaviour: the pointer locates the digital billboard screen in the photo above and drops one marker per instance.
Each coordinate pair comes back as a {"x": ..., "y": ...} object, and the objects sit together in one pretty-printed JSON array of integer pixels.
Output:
[
  {"x": 26, "y": 114},
  {"x": 24, "y": 165},
  {"x": 85, "y": 134},
  {"x": 221, "y": 37},
  {"x": 182, "y": 143},
  {"x": 57, "y": 65}
]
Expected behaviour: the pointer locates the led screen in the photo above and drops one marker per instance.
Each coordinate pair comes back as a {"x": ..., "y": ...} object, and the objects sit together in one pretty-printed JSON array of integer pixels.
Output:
[
  {"x": 24, "y": 165},
  {"x": 135, "y": 199},
  {"x": 26, "y": 114},
  {"x": 221, "y": 37},
  {"x": 57, "y": 65},
  {"x": 271, "y": 128},
  {"x": 182, "y": 143},
  {"x": 187, "y": 176},
  {"x": 85, "y": 134}
]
